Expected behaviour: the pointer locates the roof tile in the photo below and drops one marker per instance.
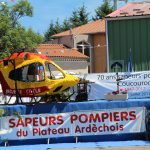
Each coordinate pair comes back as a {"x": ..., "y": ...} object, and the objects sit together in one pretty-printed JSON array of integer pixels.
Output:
[
  {"x": 131, "y": 9},
  {"x": 58, "y": 50},
  {"x": 97, "y": 26},
  {"x": 51, "y": 46}
]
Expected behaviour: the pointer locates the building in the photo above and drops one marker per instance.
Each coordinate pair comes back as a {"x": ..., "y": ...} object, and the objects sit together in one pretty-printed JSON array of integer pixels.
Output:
[
  {"x": 89, "y": 39},
  {"x": 128, "y": 30},
  {"x": 69, "y": 60}
]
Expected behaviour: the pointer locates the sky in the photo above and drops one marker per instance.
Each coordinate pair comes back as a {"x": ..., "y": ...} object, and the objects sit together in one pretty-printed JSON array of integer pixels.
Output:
[{"x": 45, "y": 11}]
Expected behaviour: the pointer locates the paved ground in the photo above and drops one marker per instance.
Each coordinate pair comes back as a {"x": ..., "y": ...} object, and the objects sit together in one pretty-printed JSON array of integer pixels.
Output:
[
  {"x": 120, "y": 145},
  {"x": 109, "y": 148}
]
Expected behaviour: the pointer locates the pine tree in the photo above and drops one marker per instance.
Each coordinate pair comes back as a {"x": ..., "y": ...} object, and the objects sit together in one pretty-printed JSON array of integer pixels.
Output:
[
  {"x": 74, "y": 19},
  {"x": 66, "y": 25},
  {"x": 79, "y": 17},
  {"x": 49, "y": 32},
  {"x": 83, "y": 15},
  {"x": 57, "y": 27},
  {"x": 103, "y": 10}
]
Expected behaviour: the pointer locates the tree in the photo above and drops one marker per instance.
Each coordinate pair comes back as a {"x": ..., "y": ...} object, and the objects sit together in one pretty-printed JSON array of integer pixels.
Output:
[
  {"x": 49, "y": 32},
  {"x": 83, "y": 15},
  {"x": 13, "y": 36},
  {"x": 74, "y": 19},
  {"x": 66, "y": 25},
  {"x": 79, "y": 17},
  {"x": 103, "y": 10},
  {"x": 54, "y": 28},
  {"x": 21, "y": 9},
  {"x": 5, "y": 25},
  {"x": 57, "y": 27}
]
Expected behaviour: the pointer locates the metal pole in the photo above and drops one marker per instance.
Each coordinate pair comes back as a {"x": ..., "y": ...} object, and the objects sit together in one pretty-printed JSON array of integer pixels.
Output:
[
  {"x": 76, "y": 139},
  {"x": 107, "y": 53},
  {"x": 83, "y": 49},
  {"x": 16, "y": 88},
  {"x": 116, "y": 3},
  {"x": 91, "y": 59},
  {"x": 48, "y": 140}
]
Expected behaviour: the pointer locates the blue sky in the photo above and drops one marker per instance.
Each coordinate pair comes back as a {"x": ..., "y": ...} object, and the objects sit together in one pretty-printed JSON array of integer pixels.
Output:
[
  {"x": 44, "y": 11},
  {"x": 47, "y": 10}
]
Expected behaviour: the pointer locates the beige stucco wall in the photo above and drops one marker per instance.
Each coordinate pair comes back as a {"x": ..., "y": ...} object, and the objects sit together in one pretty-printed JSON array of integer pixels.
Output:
[
  {"x": 86, "y": 38},
  {"x": 98, "y": 53},
  {"x": 74, "y": 66},
  {"x": 72, "y": 40}
]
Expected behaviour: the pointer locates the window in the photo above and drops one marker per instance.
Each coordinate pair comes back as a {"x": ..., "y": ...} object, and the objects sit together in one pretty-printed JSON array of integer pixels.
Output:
[
  {"x": 84, "y": 48},
  {"x": 30, "y": 73},
  {"x": 116, "y": 65},
  {"x": 52, "y": 72}
]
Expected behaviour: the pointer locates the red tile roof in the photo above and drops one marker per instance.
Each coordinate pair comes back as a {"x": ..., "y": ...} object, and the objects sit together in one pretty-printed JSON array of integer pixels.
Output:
[
  {"x": 50, "y": 46},
  {"x": 132, "y": 9},
  {"x": 58, "y": 50},
  {"x": 90, "y": 28}
]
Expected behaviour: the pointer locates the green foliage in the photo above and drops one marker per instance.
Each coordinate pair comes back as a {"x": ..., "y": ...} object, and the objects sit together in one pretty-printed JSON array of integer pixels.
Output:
[
  {"x": 49, "y": 32},
  {"x": 13, "y": 36},
  {"x": 103, "y": 10},
  {"x": 79, "y": 17},
  {"x": 74, "y": 19},
  {"x": 83, "y": 15},
  {"x": 55, "y": 28},
  {"x": 21, "y": 9},
  {"x": 66, "y": 25}
]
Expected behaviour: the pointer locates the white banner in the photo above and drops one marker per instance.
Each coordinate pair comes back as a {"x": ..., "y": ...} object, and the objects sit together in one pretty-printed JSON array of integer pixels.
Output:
[
  {"x": 136, "y": 83},
  {"x": 112, "y": 121}
]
